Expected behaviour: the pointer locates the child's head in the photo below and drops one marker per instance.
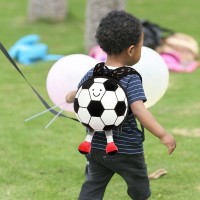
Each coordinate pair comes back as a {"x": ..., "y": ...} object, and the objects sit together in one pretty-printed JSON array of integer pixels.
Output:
[{"x": 117, "y": 31}]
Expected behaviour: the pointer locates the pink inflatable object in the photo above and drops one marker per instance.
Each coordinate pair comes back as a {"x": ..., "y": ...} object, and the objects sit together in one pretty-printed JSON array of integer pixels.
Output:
[
  {"x": 65, "y": 75},
  {"x": 97, "y": 53},
  {"x": 173, "y": 62}
]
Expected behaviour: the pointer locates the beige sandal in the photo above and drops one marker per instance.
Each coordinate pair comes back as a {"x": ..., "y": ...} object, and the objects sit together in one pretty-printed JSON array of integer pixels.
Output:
[{"x": 158, "y": 173}]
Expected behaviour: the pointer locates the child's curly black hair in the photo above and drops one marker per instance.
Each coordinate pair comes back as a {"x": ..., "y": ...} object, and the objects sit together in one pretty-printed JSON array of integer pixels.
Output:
[{"x": 117, "y": 31}]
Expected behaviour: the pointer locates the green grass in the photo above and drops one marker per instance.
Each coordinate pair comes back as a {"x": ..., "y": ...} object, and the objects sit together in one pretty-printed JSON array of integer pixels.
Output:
[{"x": 44, "y": 164}]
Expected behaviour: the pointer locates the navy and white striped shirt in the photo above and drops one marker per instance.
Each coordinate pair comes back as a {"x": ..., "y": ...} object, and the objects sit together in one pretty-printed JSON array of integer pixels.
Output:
[{"x": 127, "y": 136}]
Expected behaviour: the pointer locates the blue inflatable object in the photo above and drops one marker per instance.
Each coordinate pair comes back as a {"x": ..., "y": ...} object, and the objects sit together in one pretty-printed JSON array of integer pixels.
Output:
[
  {"x": 24, "y": 41},
  {"x": 27, "y": 50}
]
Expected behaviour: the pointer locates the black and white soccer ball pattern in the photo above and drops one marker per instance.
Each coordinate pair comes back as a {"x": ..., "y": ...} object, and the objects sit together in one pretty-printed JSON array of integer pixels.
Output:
[{"x": 101, "y": 104}]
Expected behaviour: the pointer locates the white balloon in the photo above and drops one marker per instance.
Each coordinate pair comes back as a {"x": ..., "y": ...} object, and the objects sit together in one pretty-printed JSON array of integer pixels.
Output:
[
  {"x": 67, "y": 72},
  {"x": 64, "y": 77},
  {"x": 155, "y": 75}
]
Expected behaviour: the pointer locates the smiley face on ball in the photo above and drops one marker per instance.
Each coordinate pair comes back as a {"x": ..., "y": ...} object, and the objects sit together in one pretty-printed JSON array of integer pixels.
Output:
[{"x": 97, "y": 90}]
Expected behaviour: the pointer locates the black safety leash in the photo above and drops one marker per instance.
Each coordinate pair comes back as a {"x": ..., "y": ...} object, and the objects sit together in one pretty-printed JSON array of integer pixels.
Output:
[{"x": 34, "y": 90}]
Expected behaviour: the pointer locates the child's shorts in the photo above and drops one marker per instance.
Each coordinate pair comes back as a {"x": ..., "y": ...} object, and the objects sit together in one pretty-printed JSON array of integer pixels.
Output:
[{"x": 101, "y": 167}]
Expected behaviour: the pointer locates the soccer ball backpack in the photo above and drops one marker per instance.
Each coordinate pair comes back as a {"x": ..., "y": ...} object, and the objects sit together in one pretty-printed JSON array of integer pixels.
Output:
[{"x": 101, "y": 104}]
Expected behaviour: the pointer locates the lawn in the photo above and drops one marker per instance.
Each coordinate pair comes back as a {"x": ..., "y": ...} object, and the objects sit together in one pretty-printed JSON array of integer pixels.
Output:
[{"x": 44, "y": 164}]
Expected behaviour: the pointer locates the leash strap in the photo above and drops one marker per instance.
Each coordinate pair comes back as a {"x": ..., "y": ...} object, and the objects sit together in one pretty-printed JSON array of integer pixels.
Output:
[{"x": 34, "y": 90}]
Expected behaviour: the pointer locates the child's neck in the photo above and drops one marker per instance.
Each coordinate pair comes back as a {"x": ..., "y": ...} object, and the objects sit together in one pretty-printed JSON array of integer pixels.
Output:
[{"x": 115, "y": 61}]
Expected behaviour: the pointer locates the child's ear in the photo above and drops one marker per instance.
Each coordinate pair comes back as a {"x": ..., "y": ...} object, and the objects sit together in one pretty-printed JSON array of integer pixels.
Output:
[{"x": 130, "y": 50}]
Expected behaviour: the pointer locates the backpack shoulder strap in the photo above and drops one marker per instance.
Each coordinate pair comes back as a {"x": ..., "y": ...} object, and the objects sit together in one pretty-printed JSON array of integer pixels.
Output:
[
  {"x": 101, "y": 70},
  {"x": 124, "y": 71}
]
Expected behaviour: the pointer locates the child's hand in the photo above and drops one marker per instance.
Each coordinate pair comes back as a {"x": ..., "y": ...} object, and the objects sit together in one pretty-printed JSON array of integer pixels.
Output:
[
  {"x": 69, "y": 98},
  {"x": 169, "y": 141}
]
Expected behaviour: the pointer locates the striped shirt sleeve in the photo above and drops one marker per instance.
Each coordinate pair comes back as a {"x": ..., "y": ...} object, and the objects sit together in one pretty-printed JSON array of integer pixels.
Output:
[{"x": 135, "y": 91}]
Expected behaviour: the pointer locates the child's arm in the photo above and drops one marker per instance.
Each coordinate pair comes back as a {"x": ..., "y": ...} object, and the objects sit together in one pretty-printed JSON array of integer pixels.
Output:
[
  {"x": 69, "y": 98},
  {"x": 149, "y": 122}
]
